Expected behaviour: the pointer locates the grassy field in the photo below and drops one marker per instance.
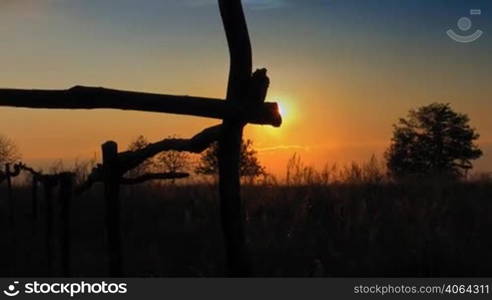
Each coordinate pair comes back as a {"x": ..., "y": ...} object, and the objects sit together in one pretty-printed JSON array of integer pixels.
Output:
[{"x": 429, "y": 228}]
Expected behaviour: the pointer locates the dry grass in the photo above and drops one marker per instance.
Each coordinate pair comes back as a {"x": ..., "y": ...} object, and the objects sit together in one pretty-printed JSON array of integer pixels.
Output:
[{"x": 349, "y": 221}]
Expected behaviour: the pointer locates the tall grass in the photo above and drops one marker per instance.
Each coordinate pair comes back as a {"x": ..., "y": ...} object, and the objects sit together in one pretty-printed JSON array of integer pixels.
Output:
[{"x": 335, "y": 221}]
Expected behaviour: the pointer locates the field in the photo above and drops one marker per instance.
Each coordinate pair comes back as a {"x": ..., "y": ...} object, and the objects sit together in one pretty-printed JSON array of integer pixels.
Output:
[{"x": 294, "y": 229}]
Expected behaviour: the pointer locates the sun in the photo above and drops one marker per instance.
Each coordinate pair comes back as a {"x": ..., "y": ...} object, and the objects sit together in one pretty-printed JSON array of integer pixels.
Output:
[
  {"x": 286, "y": 110},
  {"x": 282, "y": 110}
]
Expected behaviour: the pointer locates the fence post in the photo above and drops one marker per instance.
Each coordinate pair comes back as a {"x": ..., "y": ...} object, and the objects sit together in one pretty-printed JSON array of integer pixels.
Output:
[
  {"x": 65, "y": 198},
  {"x": 10, "y": 197},
  {"x": 11, "y": 230},
  {"x": 48, "y": 195},
  {"x": 232, "y": 214},
  {"x": 111, "y": 179},
  {"x": 34, "y": 195}
]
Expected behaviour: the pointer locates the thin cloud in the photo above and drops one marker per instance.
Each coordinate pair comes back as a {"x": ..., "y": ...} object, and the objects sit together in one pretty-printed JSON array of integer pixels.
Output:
[{"x": 283, "y": 148}]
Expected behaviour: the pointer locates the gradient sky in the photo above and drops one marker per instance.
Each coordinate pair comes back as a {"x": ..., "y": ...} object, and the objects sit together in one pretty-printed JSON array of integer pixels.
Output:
[{"x": 344, "y": 71}]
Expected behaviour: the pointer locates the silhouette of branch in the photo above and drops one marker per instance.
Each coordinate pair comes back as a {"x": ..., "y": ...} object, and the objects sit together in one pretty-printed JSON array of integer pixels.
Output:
[
  {"x": 15, "y": 173},
  {"x": 153, "y": 176},
  {"x": 48, "y": 179},
  {"x": 30, "y": 170},
  {"x": 131, "y": 159},
  {"x": 95, "y": 176},
  {"x": 201, "y": 141},
  {"x": 80, "y": 97},
  {"x": 8, "y": 174}
]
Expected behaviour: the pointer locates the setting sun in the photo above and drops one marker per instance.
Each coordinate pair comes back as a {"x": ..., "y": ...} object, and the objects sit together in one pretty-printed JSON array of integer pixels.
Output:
[
  {"x": 276, "y": 134},
  {"x": 281, "y": 110},
  {"x": 286, "y": 110},
  {"x": 246, "y": 138}
]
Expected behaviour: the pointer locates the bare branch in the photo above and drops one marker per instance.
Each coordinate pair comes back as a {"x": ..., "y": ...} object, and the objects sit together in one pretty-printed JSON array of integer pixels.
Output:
[
  {"x": 48, "y": 179},
  {"x": 15, "y": 173},
  {"x": 95, "y": 176},
  {"x": 80, "y": 97},
  {"x": 153, "y": 176},
  {"x": 131, "y": 159},
  {"x": 197, "y": 144},
  {"x": 30, "y": 170}
]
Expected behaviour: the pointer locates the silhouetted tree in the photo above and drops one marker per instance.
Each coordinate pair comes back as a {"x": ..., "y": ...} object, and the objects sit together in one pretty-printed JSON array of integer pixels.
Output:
[
  {"x": 432, "y": 140},
  {"x": 9, "y": 152},
  {"x": 139, "y": 143},
  {"x": 249, "y": 165},
  {"x": 172, "y": 161}
]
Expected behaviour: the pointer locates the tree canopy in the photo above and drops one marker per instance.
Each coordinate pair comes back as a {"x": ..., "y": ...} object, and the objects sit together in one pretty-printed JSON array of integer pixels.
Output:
[
  {"x": 9, "y": 152},
  {"x": 139, "y": 143},
  {"x": 432, "y": 140},
  {"x": 249, "y": 164}
]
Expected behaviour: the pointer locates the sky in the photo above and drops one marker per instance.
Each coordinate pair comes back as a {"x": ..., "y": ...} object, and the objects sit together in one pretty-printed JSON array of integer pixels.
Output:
[{"x": 343, "y": 71}]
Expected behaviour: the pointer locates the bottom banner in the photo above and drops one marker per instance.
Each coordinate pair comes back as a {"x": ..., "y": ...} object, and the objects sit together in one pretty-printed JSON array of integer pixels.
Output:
[{"x": 247, "y": 288}]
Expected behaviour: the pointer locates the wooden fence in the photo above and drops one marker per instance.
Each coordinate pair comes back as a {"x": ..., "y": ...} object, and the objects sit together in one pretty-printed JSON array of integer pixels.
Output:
[{"x": 245, "y": 104}]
